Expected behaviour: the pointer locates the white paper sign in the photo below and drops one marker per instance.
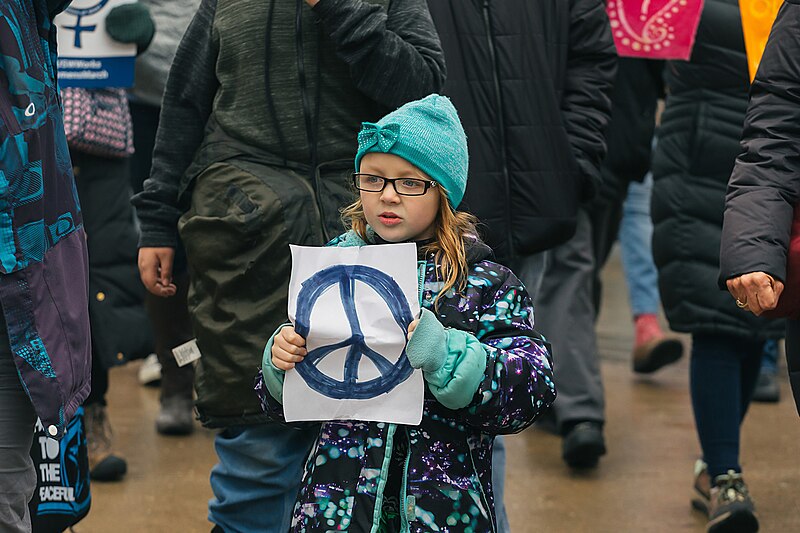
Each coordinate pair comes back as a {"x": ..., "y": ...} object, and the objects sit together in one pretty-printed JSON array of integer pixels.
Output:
[
  {"x": 354, "y": 305},
  {"x": 186, "y": 353},
  {"x": 87, "y": 55}
]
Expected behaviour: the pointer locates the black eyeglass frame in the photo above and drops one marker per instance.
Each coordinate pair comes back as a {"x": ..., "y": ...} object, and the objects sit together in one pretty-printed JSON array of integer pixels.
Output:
[{"x": 428, "y": 184}]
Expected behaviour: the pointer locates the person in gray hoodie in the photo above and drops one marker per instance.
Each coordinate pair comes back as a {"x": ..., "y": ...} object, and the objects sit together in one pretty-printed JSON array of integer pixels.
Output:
[
  {"x": 254, "y": 152},
  {"x": 169, "y": 316}
]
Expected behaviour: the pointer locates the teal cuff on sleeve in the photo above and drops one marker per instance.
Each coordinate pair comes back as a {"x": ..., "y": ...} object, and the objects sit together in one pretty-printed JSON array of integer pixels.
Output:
[
  {"x": 453, "y": 362},
  {"x": 427, "y": 348},
  {"x": 457, "y": 381},
  {"x": 273, "y": 376}
]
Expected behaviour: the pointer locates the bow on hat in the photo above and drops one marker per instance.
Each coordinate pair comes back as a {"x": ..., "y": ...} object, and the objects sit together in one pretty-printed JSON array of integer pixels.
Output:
[{"x": 382, "y": 136}]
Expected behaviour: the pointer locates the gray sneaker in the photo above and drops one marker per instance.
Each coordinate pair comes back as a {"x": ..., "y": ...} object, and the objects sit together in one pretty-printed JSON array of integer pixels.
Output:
[
  {"x": 731, "y": 510},
  {"x": 176, "y": 416},
  {"x": 767, "y": 388}
]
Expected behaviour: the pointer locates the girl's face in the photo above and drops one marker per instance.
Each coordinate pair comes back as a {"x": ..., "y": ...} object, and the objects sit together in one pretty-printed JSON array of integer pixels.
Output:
[{"x": 398, "y": 218}]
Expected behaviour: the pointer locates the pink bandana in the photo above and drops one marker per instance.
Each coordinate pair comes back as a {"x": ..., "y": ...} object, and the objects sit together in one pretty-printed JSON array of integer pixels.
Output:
[{"x": 655, "y": 29}]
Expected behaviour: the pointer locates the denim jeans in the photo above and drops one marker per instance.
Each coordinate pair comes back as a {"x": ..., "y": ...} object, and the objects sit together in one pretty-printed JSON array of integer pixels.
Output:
[
  {"x": 17, "y": 418},
  {"x": 635, "y": 238},
  {"x": 769, "y": 359},
  {"x": 498, "y": 484},
  {"x": 258, "y": 476}
]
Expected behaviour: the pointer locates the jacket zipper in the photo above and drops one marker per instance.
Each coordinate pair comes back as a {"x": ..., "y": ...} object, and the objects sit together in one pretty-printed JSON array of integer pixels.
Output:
[
  {"x": 499, "y": 103},
  {"x": 376, "y": 516},
  {"x": 405, "y": 510},
  {"x": 387, "y": 458},
  {"x": 421, "y": 266},
  {"x": 484, "y": 499},
  {"x": 310, "y": 131}
]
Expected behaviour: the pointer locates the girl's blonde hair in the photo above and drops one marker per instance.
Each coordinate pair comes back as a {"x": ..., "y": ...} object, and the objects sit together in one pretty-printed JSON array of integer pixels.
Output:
[{"x": 453, "y": 229}]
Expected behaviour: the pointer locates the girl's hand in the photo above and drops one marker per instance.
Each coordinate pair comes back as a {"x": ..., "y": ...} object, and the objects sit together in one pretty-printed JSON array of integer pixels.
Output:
[
  {"x": 756, "y": 292},
  {"x": 288, "y": 349},
  {"x": 412, "y": 327},
  {"x": 312, "y": 3}
]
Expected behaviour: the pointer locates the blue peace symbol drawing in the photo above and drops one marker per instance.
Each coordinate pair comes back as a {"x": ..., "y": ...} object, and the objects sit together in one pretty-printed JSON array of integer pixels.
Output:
[{"x": 391, "y": 374}]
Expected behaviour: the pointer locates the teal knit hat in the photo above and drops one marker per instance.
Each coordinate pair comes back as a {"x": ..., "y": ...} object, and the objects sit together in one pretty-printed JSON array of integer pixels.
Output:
[{"x": 428, "y": 134}]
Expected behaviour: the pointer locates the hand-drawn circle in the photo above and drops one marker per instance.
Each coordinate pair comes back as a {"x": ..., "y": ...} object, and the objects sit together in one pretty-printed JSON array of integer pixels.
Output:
[
  {"x": 86, "y": 11},
  {"x": 392, "y": 374}
]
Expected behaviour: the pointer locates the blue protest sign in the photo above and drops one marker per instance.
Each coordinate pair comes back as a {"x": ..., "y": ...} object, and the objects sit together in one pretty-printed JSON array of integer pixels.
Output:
[{"x": 87, "y": 56}]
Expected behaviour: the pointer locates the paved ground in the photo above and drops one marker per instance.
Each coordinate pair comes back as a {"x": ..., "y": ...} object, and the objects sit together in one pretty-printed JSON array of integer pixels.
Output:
[{"x": 643, "y": 484}]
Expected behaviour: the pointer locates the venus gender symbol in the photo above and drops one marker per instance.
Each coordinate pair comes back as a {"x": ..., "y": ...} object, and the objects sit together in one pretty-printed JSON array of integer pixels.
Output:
[
  {"x": 391, "y": 374},
  {"x": 83, "y": 12}
]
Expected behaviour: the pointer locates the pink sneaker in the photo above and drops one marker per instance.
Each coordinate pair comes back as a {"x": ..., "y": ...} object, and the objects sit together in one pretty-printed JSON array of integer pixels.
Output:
[{"x": 652, "y": 349}]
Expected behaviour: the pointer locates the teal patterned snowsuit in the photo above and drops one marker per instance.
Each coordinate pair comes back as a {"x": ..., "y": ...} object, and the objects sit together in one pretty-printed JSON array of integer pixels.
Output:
[
  {"x": 43, "y": 261},
  {"x": 435, "y": 476}
]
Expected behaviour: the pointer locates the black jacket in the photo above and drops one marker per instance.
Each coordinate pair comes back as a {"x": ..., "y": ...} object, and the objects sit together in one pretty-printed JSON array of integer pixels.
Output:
[
  {"x": 697, "y": 145},
  {"x": 120, "y": 326},
  {"x": 637, "y": 88},
  {"x": 765, "y": 184},
  {"x": 532, "y": 83}
]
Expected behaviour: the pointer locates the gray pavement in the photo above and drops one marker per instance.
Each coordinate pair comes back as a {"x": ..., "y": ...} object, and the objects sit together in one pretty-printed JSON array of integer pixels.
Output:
[{"x": 643, "y": 484}]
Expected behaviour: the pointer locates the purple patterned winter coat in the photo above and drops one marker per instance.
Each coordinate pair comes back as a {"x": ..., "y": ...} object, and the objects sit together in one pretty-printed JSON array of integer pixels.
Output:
[
  {"x": 43, "y": 261},
  {"x": 369, "y": 476}
]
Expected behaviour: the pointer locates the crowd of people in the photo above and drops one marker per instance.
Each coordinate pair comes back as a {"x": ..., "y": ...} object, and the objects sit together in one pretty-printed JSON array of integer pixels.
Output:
[{"x": 506, "y": 139}]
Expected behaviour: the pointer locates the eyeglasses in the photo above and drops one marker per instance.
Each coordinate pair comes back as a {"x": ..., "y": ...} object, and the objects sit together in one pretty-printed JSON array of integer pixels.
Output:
[{"x": 402, "y": 186}]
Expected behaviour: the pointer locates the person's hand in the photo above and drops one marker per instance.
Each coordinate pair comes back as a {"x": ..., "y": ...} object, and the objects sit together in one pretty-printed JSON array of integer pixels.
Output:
[
  {"x": 412, "y": 327},
  {"x": 312, "y": 3},
  {"x": 757, "y": 291},
  {"x": 155, "y": 269},
  {"x": 288, "y": 349},
  {"x": 131, "y": 24}
]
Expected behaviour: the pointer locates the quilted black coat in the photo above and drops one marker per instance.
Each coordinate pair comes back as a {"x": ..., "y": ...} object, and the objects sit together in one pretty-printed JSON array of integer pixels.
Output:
[
  {"x": 765, "y": 184},
  {"x": 697, "y": 147},
  {"x": 532, "y": 84}
]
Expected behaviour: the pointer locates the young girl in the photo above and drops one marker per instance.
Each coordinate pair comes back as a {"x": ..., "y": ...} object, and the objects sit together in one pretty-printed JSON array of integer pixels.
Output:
[{"x": 486, "y": 369}]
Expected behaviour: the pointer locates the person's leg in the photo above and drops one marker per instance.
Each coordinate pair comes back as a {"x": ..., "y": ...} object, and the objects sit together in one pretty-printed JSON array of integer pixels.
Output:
[
  {"x": 751, "y": 363},
  {"x": 499, "y": 483},
  {"x": 720, "y": 389},
  {"x": 635, "y": 239},
  {"x": 767, "y": 387},
  {"x": 793, "y": 358},
  {"x": 530, "y": 270},
  {"x": 104, "y": 463},
  {"x": 172, "y": 327},
  {"x": 169, "y": 316},
  {"x": 258, "y": 476},
  {"x": 17, "y": 418},
  {"x": 565, "y": 315},
  {"x": 722, "y": 376},
  {"x": 652, "y": 349}
]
